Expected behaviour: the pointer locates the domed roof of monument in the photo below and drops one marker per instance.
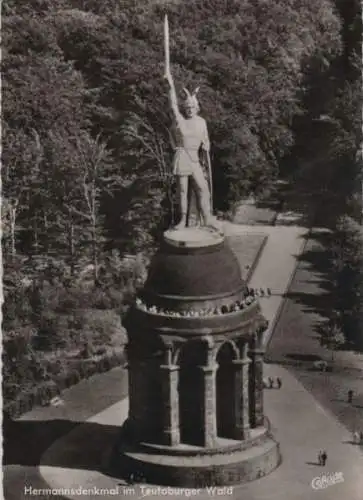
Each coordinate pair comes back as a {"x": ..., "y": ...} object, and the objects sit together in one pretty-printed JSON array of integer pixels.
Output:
[{"x": 194, "y": 270}]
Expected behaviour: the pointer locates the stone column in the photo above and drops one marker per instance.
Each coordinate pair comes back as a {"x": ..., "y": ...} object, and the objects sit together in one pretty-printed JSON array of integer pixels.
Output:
[
  {"x": 256, "y": 354},
  {"x": 242, "y": 409},
  {"x": 209, "y": 405},
  {"x": 170, "y": 410}
]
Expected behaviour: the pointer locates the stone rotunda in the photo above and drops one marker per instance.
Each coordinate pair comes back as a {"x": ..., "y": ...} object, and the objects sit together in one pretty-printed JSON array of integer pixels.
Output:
[{"x": 195, "y": 362}]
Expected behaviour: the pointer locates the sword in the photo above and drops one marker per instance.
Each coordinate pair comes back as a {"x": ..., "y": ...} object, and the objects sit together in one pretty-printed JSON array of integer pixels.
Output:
[{"x": 210, "y": 180}]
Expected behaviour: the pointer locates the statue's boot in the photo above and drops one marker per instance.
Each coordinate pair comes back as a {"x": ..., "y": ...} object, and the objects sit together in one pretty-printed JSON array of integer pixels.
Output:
[{"x": 180, "y": 225}]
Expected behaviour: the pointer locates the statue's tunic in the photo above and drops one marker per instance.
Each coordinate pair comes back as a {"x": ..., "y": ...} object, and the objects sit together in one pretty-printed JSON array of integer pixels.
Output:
[{"x": 191, "y": 134}]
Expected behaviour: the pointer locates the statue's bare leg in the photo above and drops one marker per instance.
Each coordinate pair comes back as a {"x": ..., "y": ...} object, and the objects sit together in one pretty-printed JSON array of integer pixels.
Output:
[
  {"x": 183, "y": 197},
  {"x": 202, "y": 190}
]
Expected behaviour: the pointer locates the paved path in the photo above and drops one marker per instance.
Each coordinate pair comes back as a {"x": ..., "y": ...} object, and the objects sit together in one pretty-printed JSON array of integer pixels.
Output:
[
  {"x": 296, "y": 341},
  {"x": 299, "y": 423},
  {"x": 276, "y": 265}
]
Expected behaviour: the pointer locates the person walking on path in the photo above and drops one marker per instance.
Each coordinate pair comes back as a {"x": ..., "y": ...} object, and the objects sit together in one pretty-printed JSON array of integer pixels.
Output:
[
  {"x": 270, "y": 382},
  {"x": 279, "y": 382},
  {"x": 350, "y": 396},
  {"x": 356, "y": 437},
  {"x": 324, "y": 458}
]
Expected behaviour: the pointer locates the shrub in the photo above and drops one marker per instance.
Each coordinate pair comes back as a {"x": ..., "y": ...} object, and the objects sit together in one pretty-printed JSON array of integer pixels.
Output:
[
  {"x": 101, "y": 327},
  {"x": 51, "y": 332},
  {"x": 17, "y": 307}
]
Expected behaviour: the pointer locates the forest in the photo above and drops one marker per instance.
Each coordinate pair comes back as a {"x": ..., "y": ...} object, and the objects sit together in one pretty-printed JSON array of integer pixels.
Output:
[{"x": 87, "y": 152}]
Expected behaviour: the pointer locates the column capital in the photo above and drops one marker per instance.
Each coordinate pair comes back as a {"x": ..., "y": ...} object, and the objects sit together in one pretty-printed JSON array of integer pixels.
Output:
[
  {"x": 209, "y": 368},
  {"x": 209, "y": 341},
  {"x": 241, "y": 361},
  {"x": 170, "y": 368},
  {"x": 257, "y": 351},
  {"x": 167, "y": 342}
]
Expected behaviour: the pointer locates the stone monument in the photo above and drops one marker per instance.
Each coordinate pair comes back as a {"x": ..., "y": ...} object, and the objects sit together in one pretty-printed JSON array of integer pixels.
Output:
[{"x": 195, "y": 360}]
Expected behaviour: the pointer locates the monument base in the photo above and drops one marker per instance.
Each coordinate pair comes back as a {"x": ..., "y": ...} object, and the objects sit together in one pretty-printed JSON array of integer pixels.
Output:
[
  {"x": 190, "y": 335},
  {"x": 193, "y": 237},
  {"x": 229, "y": 463}
]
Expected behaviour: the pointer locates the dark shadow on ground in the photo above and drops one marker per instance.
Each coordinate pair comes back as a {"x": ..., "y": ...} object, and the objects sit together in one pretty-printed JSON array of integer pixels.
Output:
[
  {"x": 69, "y": 444},
  {"x": 303, "y": 357},
  {"x": 351, "y": 442},
  {"x": 24, "y": 442},
  {"x": 319, "y": 304}
]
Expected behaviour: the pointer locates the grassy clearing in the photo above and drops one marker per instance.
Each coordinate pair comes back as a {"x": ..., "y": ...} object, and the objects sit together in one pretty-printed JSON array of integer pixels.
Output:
[{"x": 248, "y": 249}]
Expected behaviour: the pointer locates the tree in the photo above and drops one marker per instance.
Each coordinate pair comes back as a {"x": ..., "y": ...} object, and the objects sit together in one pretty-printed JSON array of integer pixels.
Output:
[
  {"x": 41, "y": 93},
  {"x": 148, "y": 143},
  {"x": 21, "y": 159},
  {"x": 92, "y": 68},
  {"x": 334, "y": 339},
  {"x": 93, "y": 160},
  {"x": 251, "y": 79},
  {"x": 347, "y": 259}
]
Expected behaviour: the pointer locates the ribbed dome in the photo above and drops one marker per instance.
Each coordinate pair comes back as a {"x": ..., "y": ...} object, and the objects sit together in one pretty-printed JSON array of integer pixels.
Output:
[{"x": 194, "y": 273}]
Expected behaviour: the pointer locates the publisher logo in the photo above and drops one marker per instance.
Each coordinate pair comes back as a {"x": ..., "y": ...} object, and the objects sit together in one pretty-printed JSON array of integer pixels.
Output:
[{"x": 326, "y": 480}]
